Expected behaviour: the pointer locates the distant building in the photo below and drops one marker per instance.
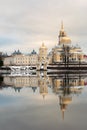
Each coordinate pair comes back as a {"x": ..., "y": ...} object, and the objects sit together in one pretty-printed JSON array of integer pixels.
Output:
[
  {"x": 16, "y": 52},
  {"x": 64, "y": 51},
  {"x": 19, "y": 59},
  {"x": 42, "y": 57}
]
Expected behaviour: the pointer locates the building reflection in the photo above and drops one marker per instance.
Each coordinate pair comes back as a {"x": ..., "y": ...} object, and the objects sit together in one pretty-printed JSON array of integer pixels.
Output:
[
  {"x": 63, "y": 85},
  {"x": 40, "y": 81},
  {"x": 43, "y": 85}
]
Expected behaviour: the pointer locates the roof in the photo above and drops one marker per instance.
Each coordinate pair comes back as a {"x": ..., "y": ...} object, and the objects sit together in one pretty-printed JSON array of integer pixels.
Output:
[
  {"x": 33, "y": 52},
  {"x": 16, "y": 52}
]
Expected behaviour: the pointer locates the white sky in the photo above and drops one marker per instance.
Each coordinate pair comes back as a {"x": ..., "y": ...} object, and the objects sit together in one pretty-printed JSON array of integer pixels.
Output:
[{"x": 25, "y": 24}]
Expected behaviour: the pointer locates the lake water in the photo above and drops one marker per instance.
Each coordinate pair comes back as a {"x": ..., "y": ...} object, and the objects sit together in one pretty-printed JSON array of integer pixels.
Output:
[{"x": 43, "y": 102}]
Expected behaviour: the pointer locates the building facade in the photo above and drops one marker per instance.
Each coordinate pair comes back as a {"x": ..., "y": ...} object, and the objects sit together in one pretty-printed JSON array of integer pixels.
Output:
[
  {"x": 42, "y": 57},
  {"x": 19, "y": 59},
  {"x": 63, "y": 52}
]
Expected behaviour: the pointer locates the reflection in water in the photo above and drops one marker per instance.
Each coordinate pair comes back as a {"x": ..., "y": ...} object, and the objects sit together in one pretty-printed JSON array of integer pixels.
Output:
[
  {"x": 66, "y": 85},
  {"x": 43, "y": 101},
  {"x": 63, "y": 85}
]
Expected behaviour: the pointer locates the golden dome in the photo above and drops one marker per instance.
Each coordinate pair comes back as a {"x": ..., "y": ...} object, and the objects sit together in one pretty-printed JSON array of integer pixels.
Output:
[{"x": 65, "y": 40}]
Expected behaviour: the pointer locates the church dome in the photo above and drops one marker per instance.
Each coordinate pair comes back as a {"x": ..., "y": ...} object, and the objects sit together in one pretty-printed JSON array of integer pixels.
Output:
[
  {"x": 65, "y": 40},
  {"x": 33, "y": 52}
]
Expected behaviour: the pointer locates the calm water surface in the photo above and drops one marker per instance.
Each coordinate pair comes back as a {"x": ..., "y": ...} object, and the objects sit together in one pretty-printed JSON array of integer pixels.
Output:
[{"x": 54, "y": 102}]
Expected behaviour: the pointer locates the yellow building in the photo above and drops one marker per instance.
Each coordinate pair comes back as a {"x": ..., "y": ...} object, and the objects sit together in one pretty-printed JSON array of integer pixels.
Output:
[
  {"x": 42, "y": 58},
  {"x": 19, "y": 59},
  {"x": 63, "y": 38},
  {"x": 64, "y": 51},
  {"x": 43, "y": 54}
]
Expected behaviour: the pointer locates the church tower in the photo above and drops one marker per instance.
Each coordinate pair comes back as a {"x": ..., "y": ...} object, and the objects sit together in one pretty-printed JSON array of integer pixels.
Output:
[
  {"x": 43, "y": 54},
  {"x": 63, "y": 38}
]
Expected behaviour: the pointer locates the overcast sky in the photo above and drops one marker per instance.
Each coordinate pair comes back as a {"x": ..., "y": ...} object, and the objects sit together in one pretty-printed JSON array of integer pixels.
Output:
[{"x": 25, "y": 24}]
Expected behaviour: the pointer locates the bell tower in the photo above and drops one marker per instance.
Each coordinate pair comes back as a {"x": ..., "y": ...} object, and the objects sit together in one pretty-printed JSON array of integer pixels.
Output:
[{"x": 43, "y": 53}]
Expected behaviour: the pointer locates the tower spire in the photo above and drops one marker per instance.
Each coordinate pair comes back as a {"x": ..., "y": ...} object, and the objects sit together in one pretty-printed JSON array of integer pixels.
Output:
[{"x": 62, "y": 27}]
